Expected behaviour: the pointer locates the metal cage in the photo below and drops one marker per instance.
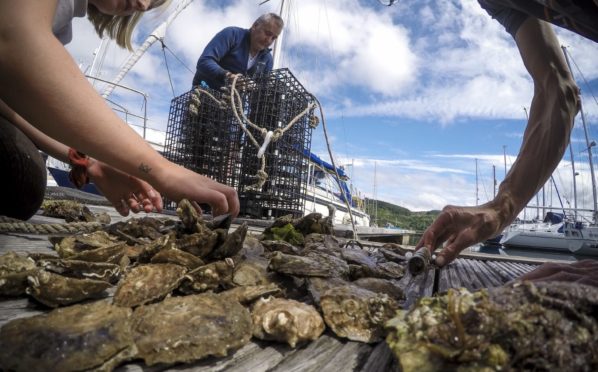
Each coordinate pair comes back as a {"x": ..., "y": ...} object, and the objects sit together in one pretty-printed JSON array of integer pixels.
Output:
[{"x": 205, "y": 135}]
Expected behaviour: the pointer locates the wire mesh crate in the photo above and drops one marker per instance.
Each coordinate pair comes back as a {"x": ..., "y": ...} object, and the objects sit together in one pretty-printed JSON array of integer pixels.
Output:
[{"x": 205, "y": 134}]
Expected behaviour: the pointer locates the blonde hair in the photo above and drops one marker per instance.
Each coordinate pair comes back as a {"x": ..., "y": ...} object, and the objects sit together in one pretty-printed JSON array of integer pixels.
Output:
[{"x": 118, "y": 28}]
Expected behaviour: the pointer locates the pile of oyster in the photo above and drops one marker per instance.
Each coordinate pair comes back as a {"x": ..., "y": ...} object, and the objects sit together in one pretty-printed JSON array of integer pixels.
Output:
[
  {"x": 546, "y": 326},
  {"x": 170, "y": 291}
]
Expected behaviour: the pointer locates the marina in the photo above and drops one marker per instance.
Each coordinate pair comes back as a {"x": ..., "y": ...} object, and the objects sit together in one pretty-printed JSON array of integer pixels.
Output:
[{"x": 329, "y": 353}]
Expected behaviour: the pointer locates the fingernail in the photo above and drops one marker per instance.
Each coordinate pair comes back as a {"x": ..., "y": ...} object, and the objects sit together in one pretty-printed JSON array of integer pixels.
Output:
[
  {"x": 151, "y": 194},
  {"x": 440, "y": 261}
]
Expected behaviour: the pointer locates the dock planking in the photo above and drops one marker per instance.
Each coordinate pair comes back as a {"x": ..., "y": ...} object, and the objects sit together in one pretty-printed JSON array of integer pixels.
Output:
[{"x": 328, "y": 353}]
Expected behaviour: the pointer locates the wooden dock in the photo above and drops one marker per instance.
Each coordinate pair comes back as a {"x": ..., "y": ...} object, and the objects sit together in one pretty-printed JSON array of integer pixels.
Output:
[{"x": 328, "y": 353}]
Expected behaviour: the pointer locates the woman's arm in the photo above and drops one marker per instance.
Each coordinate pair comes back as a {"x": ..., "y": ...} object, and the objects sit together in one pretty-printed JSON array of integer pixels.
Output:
[{"x": 40, "y": 81}]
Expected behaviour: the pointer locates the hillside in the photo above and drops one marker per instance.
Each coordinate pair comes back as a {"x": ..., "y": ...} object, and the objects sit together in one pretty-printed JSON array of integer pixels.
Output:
[{"x": 398, "y": 216}]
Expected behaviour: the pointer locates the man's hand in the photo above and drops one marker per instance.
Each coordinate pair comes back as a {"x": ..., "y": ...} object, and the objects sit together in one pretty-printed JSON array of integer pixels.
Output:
[
  {"x": 584, "y": 272},
  {"x": 126, "y": 193},
  {"x": 458, "y": 228}
]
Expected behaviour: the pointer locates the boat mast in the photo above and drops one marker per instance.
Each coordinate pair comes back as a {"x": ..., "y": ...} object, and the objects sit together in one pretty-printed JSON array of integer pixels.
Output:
[
  {"x": 276, "y": 50},
  {"x": 158, "y": 34},
  {"x": 588, "y": 144}
]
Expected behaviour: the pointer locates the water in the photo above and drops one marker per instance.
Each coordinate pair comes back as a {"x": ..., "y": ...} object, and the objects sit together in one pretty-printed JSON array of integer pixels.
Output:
[{"x": 526, "y": 253}]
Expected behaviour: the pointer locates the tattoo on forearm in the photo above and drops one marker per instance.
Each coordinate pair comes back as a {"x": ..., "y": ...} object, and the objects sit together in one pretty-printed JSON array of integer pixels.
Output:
[{"x": 144, "y": 168}]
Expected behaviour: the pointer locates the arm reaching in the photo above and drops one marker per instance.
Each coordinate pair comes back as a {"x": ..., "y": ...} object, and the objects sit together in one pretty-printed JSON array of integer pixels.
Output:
[
  {"x": 126, "y": 193},
  {"x": 40, "y": 81},
  {"x": 554, "y": 106}
]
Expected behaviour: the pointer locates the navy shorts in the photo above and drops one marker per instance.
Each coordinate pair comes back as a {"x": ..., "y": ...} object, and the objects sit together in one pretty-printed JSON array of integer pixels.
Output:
[{"x": 579, "y": 16}]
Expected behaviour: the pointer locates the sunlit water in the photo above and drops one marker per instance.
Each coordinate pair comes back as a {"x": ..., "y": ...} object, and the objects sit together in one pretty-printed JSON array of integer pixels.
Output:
[{"x": 526, "y": 253}]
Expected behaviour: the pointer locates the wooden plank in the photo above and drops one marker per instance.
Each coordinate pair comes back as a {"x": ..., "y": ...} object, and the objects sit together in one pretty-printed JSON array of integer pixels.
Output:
[
  {"x": 416, "y": 287},
  {"x": 326, "y": 354},
  {"x": 488, "y": 277}
]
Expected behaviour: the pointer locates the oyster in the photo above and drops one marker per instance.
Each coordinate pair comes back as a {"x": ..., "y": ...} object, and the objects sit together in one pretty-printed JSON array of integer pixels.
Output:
[
  {"x": 147, "y": 283},
  {"x": 390, "y": 287},
  {"x": 281, "y": 246},
  {"x": 253, "y": 271},
  {"x": 55, "y": 290},
  {"x": 71, "y": 245},
  {"x": 82, "y": 269},
  {"x": 356, "y": 313},
  {"x": 215, "y": 275},
  {"x": 74, "y": 338},
  {"x": 250, "y": 293},
  {"x": 188, "y": 328},
  {"x": 178, "y": 257},
  {"x": 14, "y": 270},
  {"x": 317, "y": 286},
  {"x": 384, "y": 270},
  {"x": 110, "y": 254},
  {"x": 198, "y": 244},
  {"x": 285, "y": 320},
  {"x": 70, "y": 210},
  {"x": 285, "y": 233},
  {"x": 322, "y": 265},
  {"x": 313, "y": 223},
  {"x": 189, "y": 216},
  {"x": 148, "y": 250},
  {"x": 232, "y": 245},
  {"x": 137, "y": 230},
  {"x": 523, "y": 326}
]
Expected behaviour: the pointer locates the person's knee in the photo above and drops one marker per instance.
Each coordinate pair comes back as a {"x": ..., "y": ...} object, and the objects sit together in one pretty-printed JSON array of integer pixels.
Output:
[{"x": 24, "y": 173}]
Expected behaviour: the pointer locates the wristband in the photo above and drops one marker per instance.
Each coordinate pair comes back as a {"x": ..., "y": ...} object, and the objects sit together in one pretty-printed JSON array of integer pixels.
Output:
[{"x": 78, "y": 173}]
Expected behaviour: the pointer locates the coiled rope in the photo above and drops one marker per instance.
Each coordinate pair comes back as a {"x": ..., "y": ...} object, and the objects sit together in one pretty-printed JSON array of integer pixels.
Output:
[
  {"x": 48, "y": 228},
  {"x": 236, "y": 104}
]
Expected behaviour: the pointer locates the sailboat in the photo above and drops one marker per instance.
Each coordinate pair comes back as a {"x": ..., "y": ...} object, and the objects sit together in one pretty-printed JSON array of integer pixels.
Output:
[{"x": 567, "y": 234}]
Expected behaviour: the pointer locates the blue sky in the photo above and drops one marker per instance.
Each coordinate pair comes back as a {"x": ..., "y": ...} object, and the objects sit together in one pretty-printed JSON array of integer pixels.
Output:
[{"x": 413, "y": 93}]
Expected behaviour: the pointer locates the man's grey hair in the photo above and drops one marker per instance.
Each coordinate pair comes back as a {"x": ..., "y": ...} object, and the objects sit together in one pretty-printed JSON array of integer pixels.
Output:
[{"x": 268, "y": 17}]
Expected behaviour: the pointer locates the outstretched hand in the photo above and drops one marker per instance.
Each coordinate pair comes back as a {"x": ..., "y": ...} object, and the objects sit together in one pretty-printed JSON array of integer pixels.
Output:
[
  {"x": 458, "y": 228},
  {"x": 124, "y": 192},
  {"x": 178, "y": 182},
  {"x": 584, "y": 272}
]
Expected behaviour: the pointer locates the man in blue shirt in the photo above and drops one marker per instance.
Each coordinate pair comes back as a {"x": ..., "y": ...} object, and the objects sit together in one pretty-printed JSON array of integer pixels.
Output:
[{"x": 236, "y": 50}]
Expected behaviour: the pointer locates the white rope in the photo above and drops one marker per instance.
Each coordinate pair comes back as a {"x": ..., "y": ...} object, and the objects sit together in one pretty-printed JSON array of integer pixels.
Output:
[{"x": 236, "y": 104}]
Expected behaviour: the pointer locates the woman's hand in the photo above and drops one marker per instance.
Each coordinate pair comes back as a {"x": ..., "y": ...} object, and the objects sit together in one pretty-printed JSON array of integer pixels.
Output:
[
  {"x": 126, "y": 193},
  {"x": 176, "y": 182}
]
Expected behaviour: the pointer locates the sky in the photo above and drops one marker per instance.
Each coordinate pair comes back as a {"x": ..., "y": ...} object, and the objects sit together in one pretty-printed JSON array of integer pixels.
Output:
[{"x": 425, "y": 101}]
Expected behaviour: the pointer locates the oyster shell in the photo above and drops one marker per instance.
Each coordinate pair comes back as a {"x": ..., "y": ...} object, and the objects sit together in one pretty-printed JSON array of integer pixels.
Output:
[
  {"x": 253, "y": 271},
  {"x": 199, "y": 244},
  {"x": 147, "y": 283},
  {"x": 322, "y": 265},
  {"x": 378, "y": 285},
  {"x": 282, "y": 246},
  {"x": 110, "y": 254},
  {"x": 356, "y": 313},
  {"x": 232, "y": 245},
  {"x": 188, "y": 328},
  {"x": 55, "y": 290},
  {"x": 70, "y": 210},
  {"x": 69, "y": 246},
  {"x": 178, "y": 257},
  {"x": 189, "y": 216},
  {"x": 250, "y": 293},
  {"x": 74, "y": 338},
  {"x": 14, "y": 270},
  {"x": 547, "y": 326},
  {"x": 215, "y": 275},
  {"x": 285, "y": 320},
  {"x": 82, "y": 269}
]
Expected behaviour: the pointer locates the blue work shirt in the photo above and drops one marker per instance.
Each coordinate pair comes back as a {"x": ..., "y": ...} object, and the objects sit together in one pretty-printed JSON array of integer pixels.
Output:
[{"x": 229, "y": 51}]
